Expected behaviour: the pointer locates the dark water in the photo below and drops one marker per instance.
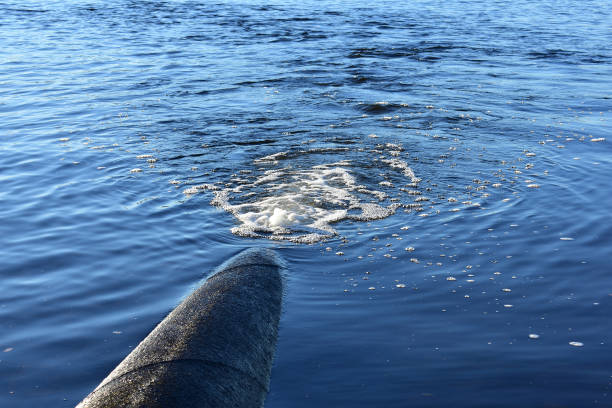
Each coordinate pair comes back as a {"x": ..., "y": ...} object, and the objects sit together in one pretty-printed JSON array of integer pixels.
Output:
[{"x": 417, "y": 291}]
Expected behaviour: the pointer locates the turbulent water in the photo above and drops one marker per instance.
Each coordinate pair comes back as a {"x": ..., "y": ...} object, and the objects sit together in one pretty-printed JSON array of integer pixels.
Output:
[{"x": 435, "y": 174}]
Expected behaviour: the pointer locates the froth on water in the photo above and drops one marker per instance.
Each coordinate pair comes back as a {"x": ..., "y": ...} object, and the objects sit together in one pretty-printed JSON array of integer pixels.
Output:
[{"x": 293, "y": 200}]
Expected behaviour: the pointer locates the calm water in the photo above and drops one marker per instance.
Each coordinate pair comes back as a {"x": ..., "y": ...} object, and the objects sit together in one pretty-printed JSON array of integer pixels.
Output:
[{"x": 436, "y": 175}]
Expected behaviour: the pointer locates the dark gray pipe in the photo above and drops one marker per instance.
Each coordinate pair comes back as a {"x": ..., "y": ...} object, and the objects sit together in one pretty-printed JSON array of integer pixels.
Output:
[{"x": 214, "y": 350}]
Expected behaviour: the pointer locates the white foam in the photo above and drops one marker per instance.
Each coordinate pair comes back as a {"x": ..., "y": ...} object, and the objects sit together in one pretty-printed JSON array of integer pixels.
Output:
[
  {"x": 273, "y": 158},
  {"x": 199, "y": 188},
  {"x": 276, "y": 157},
  {"x": 303, "y": 204},
  {"x": 400, "y": 164}
]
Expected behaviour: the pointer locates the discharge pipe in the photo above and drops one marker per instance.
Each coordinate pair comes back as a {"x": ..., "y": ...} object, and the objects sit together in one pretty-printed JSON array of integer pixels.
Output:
[{"x": 214, "y": 350}]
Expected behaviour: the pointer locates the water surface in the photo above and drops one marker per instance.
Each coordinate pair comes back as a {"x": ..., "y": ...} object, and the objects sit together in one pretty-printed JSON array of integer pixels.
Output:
[{"x": 436, "y": 175}]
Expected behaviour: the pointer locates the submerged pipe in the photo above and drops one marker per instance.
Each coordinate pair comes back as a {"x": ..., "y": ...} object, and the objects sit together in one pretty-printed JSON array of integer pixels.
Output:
[{"x": 214, "y": 350}]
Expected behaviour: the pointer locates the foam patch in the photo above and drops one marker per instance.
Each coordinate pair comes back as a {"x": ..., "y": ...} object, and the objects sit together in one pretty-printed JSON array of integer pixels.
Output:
[{"x": 303, "y": 204}]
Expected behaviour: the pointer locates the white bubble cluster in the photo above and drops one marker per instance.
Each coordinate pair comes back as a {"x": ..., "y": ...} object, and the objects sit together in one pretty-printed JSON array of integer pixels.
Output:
[{"x": 303, "y": 204}]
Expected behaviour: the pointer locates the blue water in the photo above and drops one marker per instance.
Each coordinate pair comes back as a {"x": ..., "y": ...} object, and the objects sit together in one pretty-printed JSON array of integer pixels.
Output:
[{"x": 111, "y": 111}]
